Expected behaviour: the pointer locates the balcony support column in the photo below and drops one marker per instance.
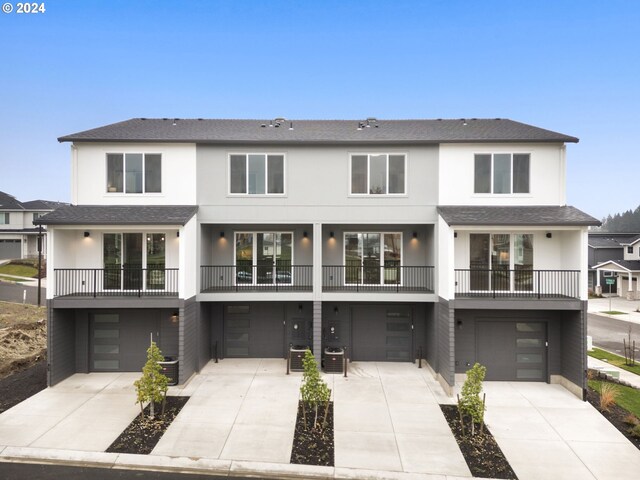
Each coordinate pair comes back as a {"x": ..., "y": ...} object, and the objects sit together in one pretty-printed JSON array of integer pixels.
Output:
[{"x": 317, "y": 291}]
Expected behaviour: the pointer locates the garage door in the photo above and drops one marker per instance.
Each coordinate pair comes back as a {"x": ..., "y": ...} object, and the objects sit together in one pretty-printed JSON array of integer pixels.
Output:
[
  {"x": 381, "y": 334},
  {"x": 120, "y": 344},
  {"x": 253, "y": 333},
  {"x": 10, "y": 249},
  {"x": 512, "y": 350}
]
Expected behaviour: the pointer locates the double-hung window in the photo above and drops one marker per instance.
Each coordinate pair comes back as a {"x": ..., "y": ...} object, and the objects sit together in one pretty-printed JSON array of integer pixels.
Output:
[
  {"x": 134, "y": 173},
  {"x": 256, "y": 174},
  {"x": 372, "y": 258},
  {"x": 378, "y": 174},
  {"x": 502, "y": 173}
]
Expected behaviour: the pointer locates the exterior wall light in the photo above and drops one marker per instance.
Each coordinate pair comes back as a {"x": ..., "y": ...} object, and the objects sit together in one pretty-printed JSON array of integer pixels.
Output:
[
  {"x": 549, "y": 235},
  {"x": 174, "y": 317},
  {"x": 87, "y": 234},
  {"x": 415, "y": 234},
  {"x": 331, "y": 234},
  {"x": 222, "y": 234},
  {"x": 304, "y": 234}
]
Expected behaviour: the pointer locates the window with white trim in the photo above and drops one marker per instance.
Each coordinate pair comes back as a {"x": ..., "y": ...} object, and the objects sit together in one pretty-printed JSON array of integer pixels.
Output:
[
  {"x": 5, "y": 218},
  {"x": 502, "y": 173},
  {"x": 256, "y": 174},
  {"x": 134, "y": 173},
  {"x": 630, "y": 249},
  {"x": 378, "y": 174}
]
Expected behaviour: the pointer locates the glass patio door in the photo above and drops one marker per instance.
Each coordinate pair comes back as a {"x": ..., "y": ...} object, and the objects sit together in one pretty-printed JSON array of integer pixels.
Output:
[
  {"x": 372, "y": 258},
  {"x": 125, "y": 258},
  {"x": 501, "y": 262},
  {"x": 268, "y": 254}
]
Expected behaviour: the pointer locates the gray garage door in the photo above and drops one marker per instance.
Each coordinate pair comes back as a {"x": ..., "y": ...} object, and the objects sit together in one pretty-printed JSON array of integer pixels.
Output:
[
  {"x": 381, "y": 333},
  {"x": 249, "y": 333},
  {"x": 119, "y": 344},
  {"x": 513, "y": 350},
  {"x": 10, "y": 249}
]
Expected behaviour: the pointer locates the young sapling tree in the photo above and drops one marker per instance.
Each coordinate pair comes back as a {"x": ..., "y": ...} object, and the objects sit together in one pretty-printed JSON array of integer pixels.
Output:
[
  {"x": 153, "y": 385},
  {"x": 469, "y": 402},
  {"x": 314, "y": 392}
]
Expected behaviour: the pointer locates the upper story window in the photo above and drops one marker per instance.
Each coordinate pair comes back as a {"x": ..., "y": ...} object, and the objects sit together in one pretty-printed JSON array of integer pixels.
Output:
[
  {"x": 134, "y": 173},
  {"x": 4, "y": 218},
  {"x": 378, "y": 174},
  {"x": 37, "y": 215},
  {"x": 630, "y": 249},
  {"x": 256, "y": 174},
  {"x": 502, "y": 173}
]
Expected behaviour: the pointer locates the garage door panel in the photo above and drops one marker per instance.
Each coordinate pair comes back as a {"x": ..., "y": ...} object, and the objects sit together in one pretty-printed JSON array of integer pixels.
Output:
[
  {"x": 253, "y": 334},
  {"x": 512, "y": 350},
  {"x": 381, "y": 333},
  {"x": 10, "y": 249}
]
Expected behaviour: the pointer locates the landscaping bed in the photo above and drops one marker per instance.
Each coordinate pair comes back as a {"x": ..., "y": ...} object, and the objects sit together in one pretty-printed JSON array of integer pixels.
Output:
[
  {"x": 481, "y": 451},
  {"x": 143, "y": 434},
  {"x": 23, "y": 384},
  {"x": 619, "y": 417},
  {"x": 312, "y": 446}
]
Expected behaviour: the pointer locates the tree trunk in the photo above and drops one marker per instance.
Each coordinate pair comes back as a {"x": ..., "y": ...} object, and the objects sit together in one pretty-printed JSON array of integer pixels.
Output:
[{"x": 151, "y": 410}]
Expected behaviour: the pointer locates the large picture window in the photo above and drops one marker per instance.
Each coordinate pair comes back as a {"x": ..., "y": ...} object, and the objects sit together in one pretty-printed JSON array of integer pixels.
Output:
[
  {"x": 134, "y": 173},
  {"x": 372, "y": 258},
  {"x": 264, "y": 257},
  {"x": 256, "y": 174},
  {"x": 379, "y": 174},
  {"x": 501, "y": 173},
  {"x": 501, "y": 261}
]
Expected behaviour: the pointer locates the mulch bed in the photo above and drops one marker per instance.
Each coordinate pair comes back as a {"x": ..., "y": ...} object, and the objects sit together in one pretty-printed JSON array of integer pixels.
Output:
[
  {"x": 615, "y": 415},
  {"x": 481, "y": 451},
  {"x": 311, "y": 446},
  {"x": 23, "y": 384},
  {"x": 143, "y": 434}
]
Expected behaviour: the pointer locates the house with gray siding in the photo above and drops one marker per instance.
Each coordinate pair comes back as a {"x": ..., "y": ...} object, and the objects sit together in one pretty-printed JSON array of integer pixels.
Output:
[{"x": 391, "y": 239}]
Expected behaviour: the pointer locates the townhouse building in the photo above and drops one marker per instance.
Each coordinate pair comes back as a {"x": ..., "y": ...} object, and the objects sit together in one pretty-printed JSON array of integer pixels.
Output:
[
  {"x": 393, "y": 239},
  {"x": 18, "y": 235}
]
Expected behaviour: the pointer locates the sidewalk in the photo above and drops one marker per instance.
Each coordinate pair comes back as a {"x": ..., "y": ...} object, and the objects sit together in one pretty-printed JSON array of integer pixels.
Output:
[
  {"x": 27, "y": 281},
  {"x": 630, "y": 378},
  {"x": 618, "y": 304}
]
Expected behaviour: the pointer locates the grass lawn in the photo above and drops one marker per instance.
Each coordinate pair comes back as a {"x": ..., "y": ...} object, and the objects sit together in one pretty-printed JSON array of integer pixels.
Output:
[
  {"x": 19, "y": 270},
  {"x": 615, "y": 360},
  {"x": 628, "y": 398}
]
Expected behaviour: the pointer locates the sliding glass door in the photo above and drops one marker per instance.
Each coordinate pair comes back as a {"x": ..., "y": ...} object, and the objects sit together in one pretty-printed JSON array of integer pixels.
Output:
[
  {"x": 125, "y": 259},
  {"x": 264, "y": 258},
  {"x": 372, "y": 258}
]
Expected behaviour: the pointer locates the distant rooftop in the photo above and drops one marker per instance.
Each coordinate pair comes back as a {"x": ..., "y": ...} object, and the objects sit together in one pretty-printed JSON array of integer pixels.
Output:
[
  {"x": 9, "y": 202},
  {"x": 282, "y": 131}
]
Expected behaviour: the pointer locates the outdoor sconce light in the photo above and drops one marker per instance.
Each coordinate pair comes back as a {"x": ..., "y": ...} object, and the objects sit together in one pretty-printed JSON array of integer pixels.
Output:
[
  {"x": 174, "y": 317},
  {"x": 300, "y": 308},
  {"x": 415, "y": 234},
  {"x": 332, "y": 330},
  {"x": 549, "y": 235},
  {"x": 331, "y": 234},
  {"x": 87, "y": 234},
  {"x": 455, "y": 234},
  {"x": 304, "y": 234},
  {"x": 459, "y": 323},
  {"x": 222, "y": 234},
  {"x": 178, "y": 234},
  {"x": 335, "y": 310},
  {"x": 295, "y": 326}
]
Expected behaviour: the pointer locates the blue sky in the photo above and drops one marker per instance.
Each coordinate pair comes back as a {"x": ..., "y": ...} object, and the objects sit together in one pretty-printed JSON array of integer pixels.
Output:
[{"x": 568, "y": 66}]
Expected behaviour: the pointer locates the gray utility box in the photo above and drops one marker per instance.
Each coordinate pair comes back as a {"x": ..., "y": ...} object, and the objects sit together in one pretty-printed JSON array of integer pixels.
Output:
[
  {"x": 170, "y": 369},
  {"x": 333, "y": 360},
  {"x": 296, "y": 356}
]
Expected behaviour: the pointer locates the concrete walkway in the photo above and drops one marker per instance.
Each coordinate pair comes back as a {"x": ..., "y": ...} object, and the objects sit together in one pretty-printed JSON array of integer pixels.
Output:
[
  {"x": 388, "y": 425},
  {"x": 618, "y": 304},
  {"x": 27, "y": 281},
  {"x": 629, "y": 377}
]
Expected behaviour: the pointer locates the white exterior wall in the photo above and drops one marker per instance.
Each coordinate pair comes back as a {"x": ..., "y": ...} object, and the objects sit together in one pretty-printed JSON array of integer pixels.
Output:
[
  {"x": 547, "y": 175},
  {"x": 189, "y": 273},
  {"x": 89, "y": 174},
  {"x": 446, "y": 248},
  {"x": 317, "y": 188}
]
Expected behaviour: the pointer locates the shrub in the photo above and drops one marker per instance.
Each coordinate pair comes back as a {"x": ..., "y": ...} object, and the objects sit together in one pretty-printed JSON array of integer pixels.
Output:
[
  {"x": 314, "y": 391},
  {"x": 469, "y": 401},
  {"x": 608, "y": 394},
  {"x": 632, "y": 420},
  {"x": 635, "y": 431},
  {"x": 153, "y": 385}
]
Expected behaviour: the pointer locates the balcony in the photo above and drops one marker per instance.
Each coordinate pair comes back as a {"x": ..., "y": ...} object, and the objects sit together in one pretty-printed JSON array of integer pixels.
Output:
[
  {"x": 518, "y": 283},
  {"x": 256, "y": 278},
  {"x": 110, "y": 282},
  {"x": 343, "y": 278}
]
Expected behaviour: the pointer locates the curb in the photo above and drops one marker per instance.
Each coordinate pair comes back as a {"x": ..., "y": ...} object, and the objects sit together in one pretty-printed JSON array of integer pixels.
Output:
[{"x": 207, "y": 466}]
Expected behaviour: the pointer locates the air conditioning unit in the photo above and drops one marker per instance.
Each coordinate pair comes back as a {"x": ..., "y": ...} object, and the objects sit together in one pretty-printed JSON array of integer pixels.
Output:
[
  {"x": 333, "y": 360},
  {"x": 296, "y": 355}
]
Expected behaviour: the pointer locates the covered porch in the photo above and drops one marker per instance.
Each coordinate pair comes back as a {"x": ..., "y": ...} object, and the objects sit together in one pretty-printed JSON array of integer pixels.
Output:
[{"x": 627, "y": 271}]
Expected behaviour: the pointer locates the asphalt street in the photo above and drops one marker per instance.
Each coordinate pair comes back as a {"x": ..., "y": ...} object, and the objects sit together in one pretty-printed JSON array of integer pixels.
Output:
[
  {"x": 32, "y": 471},
  {"x": 608, "y": 332},
  {"x": 13, "y": 292}
]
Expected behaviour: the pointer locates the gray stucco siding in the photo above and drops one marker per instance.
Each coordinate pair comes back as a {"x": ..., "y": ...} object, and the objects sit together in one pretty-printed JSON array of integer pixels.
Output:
[
  {"x": 61, "y": 352},
  {"x": 188, "y": 340},
  {"x": 445, "y": 342}
]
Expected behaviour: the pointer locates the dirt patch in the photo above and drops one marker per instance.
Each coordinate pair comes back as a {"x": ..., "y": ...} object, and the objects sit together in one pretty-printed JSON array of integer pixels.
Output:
[
  {"x": 312, "y": 446},
  {"x": 481, "y": 451},
  {"x": 23, "y": 337},
  {"x": 20, "y": 386},
  {"x": 616, "y": 416},
  {"x": 143, "y": 434},
  {"x": 18, "y": 314}
]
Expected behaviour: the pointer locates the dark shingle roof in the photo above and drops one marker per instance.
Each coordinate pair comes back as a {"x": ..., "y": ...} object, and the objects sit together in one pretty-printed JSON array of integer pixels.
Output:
[
  {"x": 42, "y": 205},
  {"x": 604, "y": 242},
  {"x": 119, "y": 215},
  {"x": 632, "y": 265},
  {"x": 529, "y": 215},
  {"x": 318, "y": 131},
  {"x": 9, "y": 202}
]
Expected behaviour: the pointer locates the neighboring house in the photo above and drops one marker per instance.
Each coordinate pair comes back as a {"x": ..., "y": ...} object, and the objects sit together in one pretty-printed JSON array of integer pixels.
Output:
[
  {"x": 619, "y": 270},
  {"x": 449, "y": 239},
  {"x": 604, "y": 246},
  {"x": 18, "y": 235}
]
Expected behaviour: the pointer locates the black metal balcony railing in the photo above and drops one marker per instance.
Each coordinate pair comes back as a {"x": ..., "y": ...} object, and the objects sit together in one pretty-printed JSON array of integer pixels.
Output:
[
  {"x": 105, "y": 282},
  {"x": 518, "y": 283},
  {"x": 359, "y": 278},
  {"x": 256, "y": 278}
]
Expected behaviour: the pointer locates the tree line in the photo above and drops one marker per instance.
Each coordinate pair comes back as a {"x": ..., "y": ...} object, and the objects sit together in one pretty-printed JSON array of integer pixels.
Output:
[{"x": 626, "y": 222}]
